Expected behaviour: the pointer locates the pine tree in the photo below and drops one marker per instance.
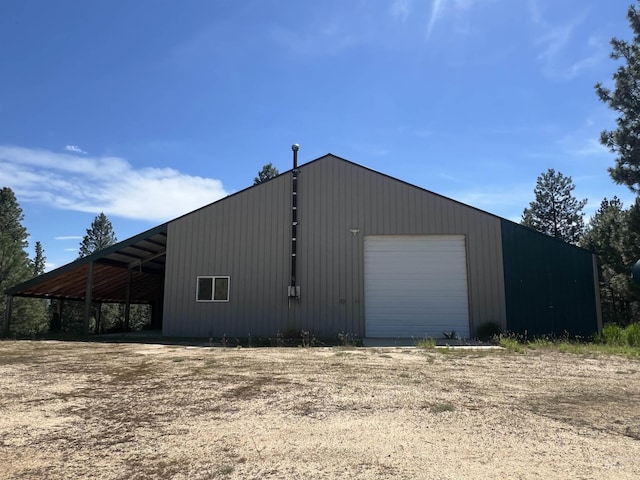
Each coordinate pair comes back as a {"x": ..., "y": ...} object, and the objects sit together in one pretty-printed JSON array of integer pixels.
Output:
[
  {"x": 108, "y": 317},
  {"x": 13, "y": 239},
  {"x": 608, "y": 236},
  {"x": 631, "y": 247},
  {"x": 624, "y": 141},
  {"x": 632, "y": 238},
  {"x": 39, "y": 261},
  {"x": 268, "y": 171},
  {"x": 555, "y": 211},
  {"x": 99, "y": 236},
  {"x": 623, "y": 99},
  {"x": 14, "y": 261},
  {"x": 32, "y": 315},
  {"x": 29, "y": 315}
]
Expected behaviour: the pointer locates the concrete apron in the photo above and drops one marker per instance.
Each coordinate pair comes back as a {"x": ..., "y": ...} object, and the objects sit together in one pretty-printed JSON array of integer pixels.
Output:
[{"x": 440, "y": 343}]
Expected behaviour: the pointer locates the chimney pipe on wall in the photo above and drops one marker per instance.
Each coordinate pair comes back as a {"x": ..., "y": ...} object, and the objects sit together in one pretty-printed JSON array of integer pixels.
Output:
[
  {"x": 294, "y": 289},
  {"x": 295, "y": 147}
]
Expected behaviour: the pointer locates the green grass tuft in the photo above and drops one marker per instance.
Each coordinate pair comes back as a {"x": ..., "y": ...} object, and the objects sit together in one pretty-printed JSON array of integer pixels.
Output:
[
  {"x": 426, "y": 343},
  {"x": 512, "y": 343},
  {"x": 617, "y": 336}
]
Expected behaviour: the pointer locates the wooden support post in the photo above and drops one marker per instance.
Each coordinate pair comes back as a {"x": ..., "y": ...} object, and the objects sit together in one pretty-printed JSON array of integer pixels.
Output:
[
  {"x": 6, "y": 327},
  {"x": 87, "y": 299},
  {"x": 55, "y": 324},
  {"x": 59, "y": 308},
  {"x": 98, "y": 318},
  {"x": 153, "y": 313},
  {"x": 127, "y": 300}
]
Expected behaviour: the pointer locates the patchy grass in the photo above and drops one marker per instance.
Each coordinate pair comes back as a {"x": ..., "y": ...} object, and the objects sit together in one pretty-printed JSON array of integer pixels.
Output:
[
  {"x": 440, "y": 407},
  {"x": 621, "y": 343},
  {"x": 512, "y": 343},
  {"x": 223, "y": 471},
  {"x": 613, "y": 340},
  {"x": 150, "y": 411}
]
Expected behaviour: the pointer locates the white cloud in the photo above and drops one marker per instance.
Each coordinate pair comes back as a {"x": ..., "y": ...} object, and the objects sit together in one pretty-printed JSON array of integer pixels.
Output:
[
  {"x": 534, "y": 12},
  {"x": 553, "y": 41},
  {"x": 400, "y": 9},
  {"x": 75, "y": 149},
  {"x": 453, "y": 178},
  {"x": 517, "y": 196},
  {"x": 433, "y": 18},
  {"x": 584, "y": 140},
  {"x": 584, "y": 147},
  {"x": 372, "y": 149},
  {"x": 108, "y": 184},
  {"x": 506, "y": 203},
  {"x": 562, "y": 52},
  {"x": 457, "y": 8}
]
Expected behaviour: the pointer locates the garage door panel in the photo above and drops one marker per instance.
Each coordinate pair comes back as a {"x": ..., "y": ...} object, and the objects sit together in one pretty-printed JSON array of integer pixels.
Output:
[
  {"x": 446, "y": 303},
  {"x": 415, "y": 286},
  {"x": 441, "y": 309},
  {"x": 420, "y": 330}
]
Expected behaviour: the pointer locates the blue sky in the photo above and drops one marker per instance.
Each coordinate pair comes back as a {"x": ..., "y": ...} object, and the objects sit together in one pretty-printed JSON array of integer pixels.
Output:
[{"x": 149, "y": 109}]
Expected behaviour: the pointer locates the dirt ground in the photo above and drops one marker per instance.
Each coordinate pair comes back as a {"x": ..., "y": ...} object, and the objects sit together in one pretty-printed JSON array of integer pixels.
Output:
[{"x": 135, "y": 411}]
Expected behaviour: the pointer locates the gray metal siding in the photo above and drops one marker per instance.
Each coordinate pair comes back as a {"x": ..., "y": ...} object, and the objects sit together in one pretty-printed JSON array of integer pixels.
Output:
[
  {"x": 247, "y": 236},
  {"x": 243, "y": 237}
]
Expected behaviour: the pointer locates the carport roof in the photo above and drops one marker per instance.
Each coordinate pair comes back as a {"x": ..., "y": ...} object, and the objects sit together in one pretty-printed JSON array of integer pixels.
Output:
[{"x": 143, "y": 255}]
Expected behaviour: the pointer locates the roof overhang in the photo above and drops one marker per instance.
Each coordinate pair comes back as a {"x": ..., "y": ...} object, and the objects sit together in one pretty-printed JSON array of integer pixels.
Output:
[{"x": 136, "y": 264}]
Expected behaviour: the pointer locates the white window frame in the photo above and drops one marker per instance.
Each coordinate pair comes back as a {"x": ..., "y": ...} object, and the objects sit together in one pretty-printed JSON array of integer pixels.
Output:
[{"x": 213, "y": 288}]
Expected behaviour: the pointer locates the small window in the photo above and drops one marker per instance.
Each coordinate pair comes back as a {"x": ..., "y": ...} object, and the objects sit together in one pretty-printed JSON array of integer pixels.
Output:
[{"x": 212, "y": 289}]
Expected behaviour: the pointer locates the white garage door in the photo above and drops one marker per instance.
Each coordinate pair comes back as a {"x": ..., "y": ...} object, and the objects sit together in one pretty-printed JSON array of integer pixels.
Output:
[{"x": 415, "y": 286}]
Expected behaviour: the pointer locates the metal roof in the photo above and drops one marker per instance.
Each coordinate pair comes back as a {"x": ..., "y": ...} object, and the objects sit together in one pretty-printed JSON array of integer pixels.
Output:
[{"x": 143, "y": 255}]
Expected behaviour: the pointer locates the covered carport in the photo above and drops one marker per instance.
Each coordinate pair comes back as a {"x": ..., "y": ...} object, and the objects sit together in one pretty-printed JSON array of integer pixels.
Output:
[{"x": 129, "y": 272}]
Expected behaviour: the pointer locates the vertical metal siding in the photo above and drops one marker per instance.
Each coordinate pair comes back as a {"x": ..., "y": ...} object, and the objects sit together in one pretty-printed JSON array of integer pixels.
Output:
[
  {"x": 549, "y": 284},
  {"x": 246, "y": 236}
]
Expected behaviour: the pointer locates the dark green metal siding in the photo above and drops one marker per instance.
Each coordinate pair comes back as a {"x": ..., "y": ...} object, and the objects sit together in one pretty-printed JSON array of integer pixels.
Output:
[{"x": 549, "y": 284}]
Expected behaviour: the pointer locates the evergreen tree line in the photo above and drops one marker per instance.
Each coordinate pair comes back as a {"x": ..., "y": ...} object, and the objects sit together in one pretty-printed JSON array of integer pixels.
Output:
[
  {"x": 16, "y": 266},
  {"x": 613, "y": 232}
]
